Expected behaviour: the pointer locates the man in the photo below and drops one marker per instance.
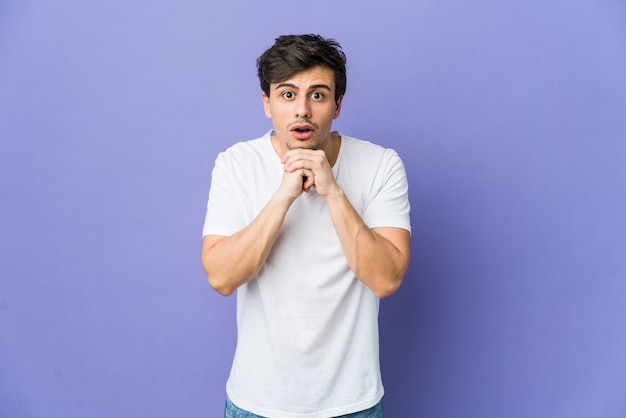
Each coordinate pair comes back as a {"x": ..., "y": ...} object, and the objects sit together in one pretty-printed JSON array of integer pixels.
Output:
[{"x": 312, "y": 228}]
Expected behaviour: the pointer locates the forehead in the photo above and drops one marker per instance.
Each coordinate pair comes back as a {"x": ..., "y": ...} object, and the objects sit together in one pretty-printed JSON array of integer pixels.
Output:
[{"x": 314, "y": 76}]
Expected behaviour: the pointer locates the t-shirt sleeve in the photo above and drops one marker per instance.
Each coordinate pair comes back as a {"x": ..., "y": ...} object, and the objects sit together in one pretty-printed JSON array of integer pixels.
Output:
[
  {"x": 225, "y": 210},
  {"x": 389, "y": 205}
]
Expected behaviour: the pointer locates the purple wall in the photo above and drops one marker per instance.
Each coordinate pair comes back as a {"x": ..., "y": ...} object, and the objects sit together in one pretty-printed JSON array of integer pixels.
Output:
[{"x": 511, "y": 119}]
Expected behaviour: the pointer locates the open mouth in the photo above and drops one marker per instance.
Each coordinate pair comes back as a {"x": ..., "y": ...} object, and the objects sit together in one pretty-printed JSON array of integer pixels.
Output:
[{"x": 302, "y": 132}]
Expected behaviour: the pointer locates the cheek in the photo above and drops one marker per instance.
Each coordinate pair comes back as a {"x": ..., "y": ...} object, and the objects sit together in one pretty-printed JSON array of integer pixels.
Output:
[{"x": 332, "y": 114}]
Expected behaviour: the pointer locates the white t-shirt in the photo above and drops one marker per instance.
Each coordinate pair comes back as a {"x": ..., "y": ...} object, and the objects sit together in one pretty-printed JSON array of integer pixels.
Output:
[{"x": 307, "y": 327}]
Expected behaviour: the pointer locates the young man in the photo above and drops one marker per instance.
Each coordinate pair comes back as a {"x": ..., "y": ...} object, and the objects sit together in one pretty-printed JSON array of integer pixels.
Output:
[{"x": 312, "y": 228}]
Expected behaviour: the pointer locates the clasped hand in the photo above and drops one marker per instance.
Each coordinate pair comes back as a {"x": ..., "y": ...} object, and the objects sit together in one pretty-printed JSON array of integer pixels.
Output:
[{"x": 304, "y": 169}]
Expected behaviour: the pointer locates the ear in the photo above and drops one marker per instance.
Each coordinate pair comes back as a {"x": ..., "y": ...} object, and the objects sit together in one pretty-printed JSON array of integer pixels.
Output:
[
  {"x": 338, "y": 109},
  {"x": 266, "y": 105}
]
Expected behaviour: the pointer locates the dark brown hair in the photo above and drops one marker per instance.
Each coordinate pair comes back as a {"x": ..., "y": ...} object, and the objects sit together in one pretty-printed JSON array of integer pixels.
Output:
[{"x": 292, "y": 54}]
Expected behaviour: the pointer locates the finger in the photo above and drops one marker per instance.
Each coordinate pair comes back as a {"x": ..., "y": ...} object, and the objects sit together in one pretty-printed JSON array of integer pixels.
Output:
[
  {"x": 305, "y": 173},
  {"x": 300, "y": 164},
  {"x": 309, "y": 181},
  {"x": 294, "y": 156}
]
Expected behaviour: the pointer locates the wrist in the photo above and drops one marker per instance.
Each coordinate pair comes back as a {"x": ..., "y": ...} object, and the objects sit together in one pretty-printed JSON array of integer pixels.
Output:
[
  {"x": 334, "y": 193},
  {"x": 282, "y": 199}
]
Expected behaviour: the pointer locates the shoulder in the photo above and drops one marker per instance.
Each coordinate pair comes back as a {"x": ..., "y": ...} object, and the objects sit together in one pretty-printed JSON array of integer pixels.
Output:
[
  {"x": 249, "y": 147},
  {"x": 355, "y": 149},
  {"x": 252, "y": 151}
]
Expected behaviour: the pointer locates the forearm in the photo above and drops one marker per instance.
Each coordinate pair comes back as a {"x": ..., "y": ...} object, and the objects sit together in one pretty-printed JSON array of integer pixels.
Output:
[
  {"x": 231, "y": 261},
  {"x": 378, "y": 257}
]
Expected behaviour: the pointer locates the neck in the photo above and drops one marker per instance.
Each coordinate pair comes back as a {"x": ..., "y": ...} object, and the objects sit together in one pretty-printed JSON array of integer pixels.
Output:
[{"x": 334, "y": 145}]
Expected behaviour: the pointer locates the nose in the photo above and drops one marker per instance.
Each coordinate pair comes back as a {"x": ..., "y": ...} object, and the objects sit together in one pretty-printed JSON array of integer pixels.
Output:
[{"x": 302, "y": 107}]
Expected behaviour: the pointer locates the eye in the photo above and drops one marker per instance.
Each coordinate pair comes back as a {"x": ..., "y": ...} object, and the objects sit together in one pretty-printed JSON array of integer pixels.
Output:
[
  {"x": 317, "y": 95},
  {"x": 288, "y": 95}
]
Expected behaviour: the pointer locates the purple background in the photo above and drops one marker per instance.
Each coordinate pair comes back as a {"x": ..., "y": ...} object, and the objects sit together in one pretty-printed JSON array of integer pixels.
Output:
[{"x": 511, "y": 119}]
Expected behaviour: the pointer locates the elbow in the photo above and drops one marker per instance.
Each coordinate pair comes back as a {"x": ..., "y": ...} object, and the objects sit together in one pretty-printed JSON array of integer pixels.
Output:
[
  {"x": 384, "y": 283},
  {"x": 221, "y": 283},
  {"x": 221, "y": 286},
  {"x": 389, "y": 283},
  {"x": 386, "y": 288},
  {"x": 227, "y": 282}
]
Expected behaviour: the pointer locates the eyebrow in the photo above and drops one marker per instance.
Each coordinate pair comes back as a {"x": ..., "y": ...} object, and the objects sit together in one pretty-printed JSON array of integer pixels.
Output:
[{"x": 312, "y": 87}]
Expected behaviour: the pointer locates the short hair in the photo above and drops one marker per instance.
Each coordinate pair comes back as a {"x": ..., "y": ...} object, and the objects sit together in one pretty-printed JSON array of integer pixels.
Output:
[{"x": 292, "y": 54}]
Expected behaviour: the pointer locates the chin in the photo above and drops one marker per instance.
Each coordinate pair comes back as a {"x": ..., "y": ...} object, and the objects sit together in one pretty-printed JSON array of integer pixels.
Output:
[{"x": 303, "y": 145}]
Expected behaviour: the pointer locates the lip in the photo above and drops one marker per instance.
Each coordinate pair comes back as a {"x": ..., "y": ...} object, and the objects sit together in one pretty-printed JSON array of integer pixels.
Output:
[
  {"x": 302, "y": 131},
  {"x": 302, "y": 126}
]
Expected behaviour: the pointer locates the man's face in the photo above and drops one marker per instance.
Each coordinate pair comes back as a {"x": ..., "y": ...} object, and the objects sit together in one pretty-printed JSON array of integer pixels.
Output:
[{"x": 302, "y": 109}]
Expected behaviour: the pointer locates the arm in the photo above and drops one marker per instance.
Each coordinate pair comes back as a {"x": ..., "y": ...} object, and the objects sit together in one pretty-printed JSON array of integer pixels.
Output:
[
  {"x": 230, "y": 261},
  {"x": 379, "y": 257}
]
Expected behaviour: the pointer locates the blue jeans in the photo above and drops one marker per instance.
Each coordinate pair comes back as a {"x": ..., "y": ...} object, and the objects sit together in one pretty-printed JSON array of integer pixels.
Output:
[{"x": 232, "y": 411}]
